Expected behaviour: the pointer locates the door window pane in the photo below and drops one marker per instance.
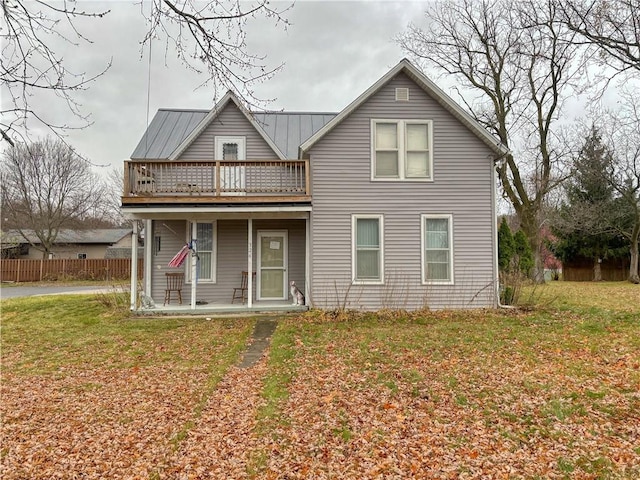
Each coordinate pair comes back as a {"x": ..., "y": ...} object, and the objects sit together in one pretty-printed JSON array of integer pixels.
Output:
[
  {"x": 272, "y": 283},
  {"x": 272, "y": 252}
]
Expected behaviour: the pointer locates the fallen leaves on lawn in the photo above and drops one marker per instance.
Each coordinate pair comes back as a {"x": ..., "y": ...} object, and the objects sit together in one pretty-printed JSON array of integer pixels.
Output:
[{"x": 367, "y": 400}]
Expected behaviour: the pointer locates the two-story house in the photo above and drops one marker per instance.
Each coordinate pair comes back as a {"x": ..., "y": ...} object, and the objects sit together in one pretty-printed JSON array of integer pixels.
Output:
[{"x": 389, "y": 203}]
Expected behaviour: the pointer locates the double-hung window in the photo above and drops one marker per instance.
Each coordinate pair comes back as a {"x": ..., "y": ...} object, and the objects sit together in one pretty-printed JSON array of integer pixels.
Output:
[
  {"x": 206, "y": 250},
  {"x": 437, "y": 249},
  {"x": 402, "y": 150},
  {"x": 367, "y": 249}
]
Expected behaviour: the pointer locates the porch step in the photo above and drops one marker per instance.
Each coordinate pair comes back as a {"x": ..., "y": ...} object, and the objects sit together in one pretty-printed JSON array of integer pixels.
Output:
[{"x": 260, "y": 339}]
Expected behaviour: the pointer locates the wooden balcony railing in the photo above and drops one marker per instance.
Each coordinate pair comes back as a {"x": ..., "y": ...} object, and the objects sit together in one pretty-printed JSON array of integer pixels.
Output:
[{"x": 217, "y": 180}]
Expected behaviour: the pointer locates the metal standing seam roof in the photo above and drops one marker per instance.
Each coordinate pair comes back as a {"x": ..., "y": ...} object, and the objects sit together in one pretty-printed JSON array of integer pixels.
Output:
[
  {"x": 170, "y": 127},
  {"x": 99, "y": 235}
]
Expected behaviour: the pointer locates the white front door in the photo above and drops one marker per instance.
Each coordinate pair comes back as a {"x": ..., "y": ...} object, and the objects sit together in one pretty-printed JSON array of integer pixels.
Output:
[
  {"x": 232, "y": 177},
  {"x": 272, "y": 275}
]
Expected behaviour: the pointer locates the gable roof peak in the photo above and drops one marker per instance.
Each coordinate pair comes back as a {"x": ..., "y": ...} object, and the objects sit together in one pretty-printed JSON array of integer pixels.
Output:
[
  {"x": 230, "y": 96},
  {"x": 435, "y": 92}
]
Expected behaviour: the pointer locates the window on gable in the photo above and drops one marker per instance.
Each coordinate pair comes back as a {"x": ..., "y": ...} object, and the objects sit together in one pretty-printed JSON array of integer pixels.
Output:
[
  {"x": 230, "y": 151},
  {"x": 437, "y": 249},
  {"x": 401, "y": 150},
  {"x": 206, "y": 249},
  {"x": 368, "y": 260}
]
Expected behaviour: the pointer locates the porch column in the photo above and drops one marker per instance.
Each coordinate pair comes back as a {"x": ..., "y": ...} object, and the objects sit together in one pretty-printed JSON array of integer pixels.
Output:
[
  {"x": 148, "y": 255},
  {"x": 194, "y": 263},
  {"x": 134, "y": 266},
  {"x": 250, "y": 262}
]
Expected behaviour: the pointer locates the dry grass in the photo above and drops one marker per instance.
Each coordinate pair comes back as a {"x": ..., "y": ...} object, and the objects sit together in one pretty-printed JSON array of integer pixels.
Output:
[{"x": 614, "y": 296}]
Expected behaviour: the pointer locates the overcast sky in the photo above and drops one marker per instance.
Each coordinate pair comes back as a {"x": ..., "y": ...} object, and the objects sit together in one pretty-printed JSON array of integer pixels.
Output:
[{"x": 332, "y": 52}]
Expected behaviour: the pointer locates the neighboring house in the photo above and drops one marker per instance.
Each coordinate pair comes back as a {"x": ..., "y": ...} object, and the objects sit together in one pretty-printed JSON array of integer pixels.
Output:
[
  {"x": 388, "y": 204},
  {"x": 94, "y": 243}
]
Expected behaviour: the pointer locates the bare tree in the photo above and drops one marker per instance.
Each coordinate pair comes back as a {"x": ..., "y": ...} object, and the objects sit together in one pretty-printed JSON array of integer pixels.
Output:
[
  {"x": 208, "y": 37},
  {"x": 113, "y": 197},
  {"x": 518, "y": 63},
  {"x": 623, "y": 130},
  {"x": 613, "y": 27},
  {"x": 46, "y": 186},
  {"x": 29, "y": 65}
]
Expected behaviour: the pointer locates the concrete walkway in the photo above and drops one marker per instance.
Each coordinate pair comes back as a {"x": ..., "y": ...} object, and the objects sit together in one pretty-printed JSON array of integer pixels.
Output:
[{"x": 260, "y": 339}]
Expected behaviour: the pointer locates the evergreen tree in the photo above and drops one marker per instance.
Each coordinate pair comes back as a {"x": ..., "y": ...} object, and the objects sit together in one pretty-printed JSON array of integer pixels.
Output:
[
  {"x": 506, "y": 246},
  {"x": 523, "y": 253},
  {"x": 583, "y": 227}
]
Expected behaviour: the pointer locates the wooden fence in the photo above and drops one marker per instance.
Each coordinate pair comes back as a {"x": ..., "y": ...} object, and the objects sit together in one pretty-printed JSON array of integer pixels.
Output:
[
  {"x": 67, "y": 269},
  {"x": 581, "y": 270}
]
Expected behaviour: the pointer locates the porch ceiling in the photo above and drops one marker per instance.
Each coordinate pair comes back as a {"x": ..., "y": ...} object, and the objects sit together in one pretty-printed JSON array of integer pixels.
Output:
[{"x": 243, "y": 213}]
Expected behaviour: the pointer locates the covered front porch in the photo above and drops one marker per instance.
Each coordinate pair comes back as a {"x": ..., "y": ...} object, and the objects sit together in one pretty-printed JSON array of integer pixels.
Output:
[{"x": 204, "y": 257}]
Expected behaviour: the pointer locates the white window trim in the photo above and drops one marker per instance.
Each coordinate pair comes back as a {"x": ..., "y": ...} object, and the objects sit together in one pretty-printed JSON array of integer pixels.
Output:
[
  {"x": 354, "y": 219},
  {"x": 221, "y": 140},
  {"x": 423, "y": 221},
  {"x": 214, "y": 256},
  {"x": 401, "y": 128}
]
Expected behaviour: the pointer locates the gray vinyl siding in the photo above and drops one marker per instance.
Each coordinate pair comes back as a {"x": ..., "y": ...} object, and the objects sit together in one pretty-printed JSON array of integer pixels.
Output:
[
  {"x": 462, "y": 187},
  {"x": 230, "y": 122},
  {"x": 231, "y": 256}
]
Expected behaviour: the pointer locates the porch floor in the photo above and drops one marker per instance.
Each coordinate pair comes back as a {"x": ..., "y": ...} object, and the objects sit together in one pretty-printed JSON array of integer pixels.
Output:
[{"x": 223, "y": 308}]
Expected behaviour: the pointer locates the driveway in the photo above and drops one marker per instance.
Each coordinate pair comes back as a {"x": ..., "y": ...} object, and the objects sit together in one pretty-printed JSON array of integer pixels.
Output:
[{"x": 28, "y": 291}]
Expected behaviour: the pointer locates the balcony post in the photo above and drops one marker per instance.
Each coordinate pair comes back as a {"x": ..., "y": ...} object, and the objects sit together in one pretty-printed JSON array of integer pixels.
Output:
[
  {"x": 126, "y": 185},
  {"x": 307, "y": 178},
  {"x": 217, "y": 178}
]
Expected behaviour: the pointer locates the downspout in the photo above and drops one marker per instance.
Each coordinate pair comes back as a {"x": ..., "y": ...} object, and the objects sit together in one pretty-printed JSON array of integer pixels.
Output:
[{"x": 494, "y": 230}]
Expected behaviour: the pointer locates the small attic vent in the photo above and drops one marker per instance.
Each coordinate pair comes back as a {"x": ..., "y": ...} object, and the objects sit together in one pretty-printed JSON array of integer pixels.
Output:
[{"x": 402, "y": 94}]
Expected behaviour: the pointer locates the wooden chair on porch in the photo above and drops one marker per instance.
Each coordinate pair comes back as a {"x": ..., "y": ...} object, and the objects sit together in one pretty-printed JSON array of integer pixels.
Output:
[
  {"x": 175, "y": 280},
  {"x": 240, "y": 293}
]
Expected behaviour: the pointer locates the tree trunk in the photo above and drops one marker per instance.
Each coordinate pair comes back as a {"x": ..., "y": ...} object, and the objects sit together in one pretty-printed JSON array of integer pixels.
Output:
[
  {"x": 633, "y": 265},
  {"x": 532, "y": 231},
  {"x": 597, "y": 270}
]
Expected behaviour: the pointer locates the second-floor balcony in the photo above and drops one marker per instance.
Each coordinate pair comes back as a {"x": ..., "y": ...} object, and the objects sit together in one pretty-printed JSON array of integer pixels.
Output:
[{"x": 216, "y": 181}]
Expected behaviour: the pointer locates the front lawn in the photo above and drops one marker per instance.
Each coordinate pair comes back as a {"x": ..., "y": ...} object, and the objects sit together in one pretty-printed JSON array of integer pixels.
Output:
[{"x": 552, "y": 392}]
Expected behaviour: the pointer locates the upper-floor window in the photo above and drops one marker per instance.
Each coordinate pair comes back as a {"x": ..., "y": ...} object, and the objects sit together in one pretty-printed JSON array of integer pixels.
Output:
[
  {"x": 401, "y": 150},
  {"x": 230, "y": 148}
]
